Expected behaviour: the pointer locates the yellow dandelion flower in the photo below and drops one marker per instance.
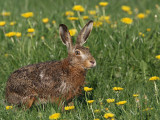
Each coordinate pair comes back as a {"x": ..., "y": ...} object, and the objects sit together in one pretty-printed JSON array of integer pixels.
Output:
[
  {"x": 53, "y": 21},
  {"x": 141, "y": 16},
  {"x": 78, "y": 8},
  {"x": 87, "y": 89},
  {"x": 72, "y": 32},
  {"x": 121, "y": 102},
  {"x": 85, "y": 17},
  {"x": 136, "y": 10},
  {"x": 135, "y": 95},
  {"x": 127, "y": 20},
  {"x": 96, "y": 119},
  {"x": 104, "y": 18},
  {"x": 117, "y": 88},
  {"x": 96, "y": 6},
  {"x": 148, "y": 29},
  {"x": 97, "y": 23},
  {"x": 148, "y": 109},
  {"x": 9, "y": 107},
  {"x": 140, "y": 33},
  {"x": 30, "y": 30},
  {"x": 106, "y": 109},
  {"x": 92, "y": 12},
  {"x": 148, "y": 12},
  {"x": 114, "y": 25},
  {"x": 90, "y": 101},
  {"x": 72, "y": 18},
  {"x": 108, "y": 115},
  {"x": 45, "y": 20},
  {"x": 154, "y": 78},
  {"x": 96, "y": 111},
  {"x": 157, "y": 6},
  {"x": 6, "y": 55},
  {"x": 18, "y": 34},
  {"x": 69, "y": 13},
  {"x": 27, "y": 14},
  {"x": 143, "y": 35},
  {"x": 69, "y": 108},
  {"x": 129, "y": 12},
  {"x": 5, "y": 13},
  {"x": 12, "y": 23},
  {"x": 54, "y": 116},
  {"x": 125, "y": 8},
  {"x": 110, "y": 100},
  {"x": 2, "y": 23},
  {"x": 158, "y": 57},
  {"x": 42, "y": 37},
  {"x": 137, "y": 100},
  {"x": 103, "y": 4},
  {"x": 30, "y": 34},
  {"x": 10, "y": 34}
]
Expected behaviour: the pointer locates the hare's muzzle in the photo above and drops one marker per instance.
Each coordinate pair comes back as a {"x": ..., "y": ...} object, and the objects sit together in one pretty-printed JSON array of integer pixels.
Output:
[{"x": 93, "y": 63}]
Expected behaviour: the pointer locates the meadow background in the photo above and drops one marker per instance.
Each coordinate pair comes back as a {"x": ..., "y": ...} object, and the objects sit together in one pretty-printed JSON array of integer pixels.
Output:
[{"x": 125, "y": 55}]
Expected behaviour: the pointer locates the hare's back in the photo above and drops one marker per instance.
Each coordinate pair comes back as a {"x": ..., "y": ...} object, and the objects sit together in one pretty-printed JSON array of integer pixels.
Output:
[
  {"x": 31, "y": 70},
  {"x": 36, "y": 75}
]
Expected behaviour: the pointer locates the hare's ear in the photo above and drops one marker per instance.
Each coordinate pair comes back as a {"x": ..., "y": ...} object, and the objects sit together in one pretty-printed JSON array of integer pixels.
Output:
[
  {"x": 84, "y": 33},
  {"x": 65, "y": 36}
]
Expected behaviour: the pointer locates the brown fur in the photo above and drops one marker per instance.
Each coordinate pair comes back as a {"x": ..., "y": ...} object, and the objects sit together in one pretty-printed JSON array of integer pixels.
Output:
[{"x": 52, "y": 81}]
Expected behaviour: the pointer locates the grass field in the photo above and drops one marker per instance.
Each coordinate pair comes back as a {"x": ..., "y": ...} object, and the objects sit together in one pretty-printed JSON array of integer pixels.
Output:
[{"x": 125, "y": 52}]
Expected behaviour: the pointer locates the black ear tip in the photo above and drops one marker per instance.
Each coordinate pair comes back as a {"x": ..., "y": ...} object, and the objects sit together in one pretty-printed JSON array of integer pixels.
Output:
[
  {"x": 91, "y": 21},
  {"x": 63, "y": 26}
]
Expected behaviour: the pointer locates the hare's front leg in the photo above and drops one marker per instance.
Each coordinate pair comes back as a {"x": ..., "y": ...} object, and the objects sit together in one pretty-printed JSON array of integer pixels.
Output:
[{"x": 28, "y": 101}]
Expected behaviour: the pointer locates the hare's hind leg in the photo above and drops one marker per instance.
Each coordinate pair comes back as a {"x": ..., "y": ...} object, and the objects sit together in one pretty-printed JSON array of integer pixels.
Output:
[{"x": 13, "y": 98}]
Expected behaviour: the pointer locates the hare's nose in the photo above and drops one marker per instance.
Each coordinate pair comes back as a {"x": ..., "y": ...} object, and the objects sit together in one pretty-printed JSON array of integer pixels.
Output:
[{"x": 92, "y": 62}]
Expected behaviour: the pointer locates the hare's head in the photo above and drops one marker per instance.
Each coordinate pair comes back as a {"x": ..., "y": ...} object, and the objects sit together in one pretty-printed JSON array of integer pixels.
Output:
[{"x": 78, "y": 55}]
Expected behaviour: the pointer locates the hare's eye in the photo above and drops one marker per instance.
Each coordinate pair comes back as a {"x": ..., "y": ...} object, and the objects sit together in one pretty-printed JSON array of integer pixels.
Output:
[{"x": 77, "y": 52}]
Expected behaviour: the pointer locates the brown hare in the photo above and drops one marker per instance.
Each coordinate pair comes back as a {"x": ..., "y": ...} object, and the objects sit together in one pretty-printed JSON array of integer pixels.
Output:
[{"x": 54, "y": 81}]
